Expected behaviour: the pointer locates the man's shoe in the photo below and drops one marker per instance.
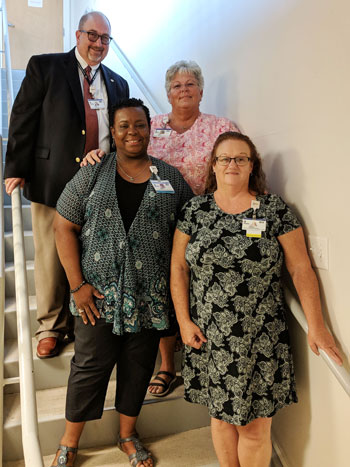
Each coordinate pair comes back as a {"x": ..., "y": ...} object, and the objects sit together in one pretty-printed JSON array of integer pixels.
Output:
[{"x": 48, "y": 347}]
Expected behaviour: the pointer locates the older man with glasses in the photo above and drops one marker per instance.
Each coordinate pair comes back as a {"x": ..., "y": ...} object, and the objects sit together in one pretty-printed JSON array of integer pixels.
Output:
[{"x": 60, "y": 113}]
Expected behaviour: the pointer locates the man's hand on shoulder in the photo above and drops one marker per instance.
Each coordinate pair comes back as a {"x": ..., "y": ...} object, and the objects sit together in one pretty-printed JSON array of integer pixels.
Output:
[
  {"x": 91, "y": 157},
  {"x": 11, "y": 183}
]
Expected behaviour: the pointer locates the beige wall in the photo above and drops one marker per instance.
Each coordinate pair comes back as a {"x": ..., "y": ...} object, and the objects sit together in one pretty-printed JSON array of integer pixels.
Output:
[
  {"x": 281, "y": 69},
  {"x": 36, "y": 31}
]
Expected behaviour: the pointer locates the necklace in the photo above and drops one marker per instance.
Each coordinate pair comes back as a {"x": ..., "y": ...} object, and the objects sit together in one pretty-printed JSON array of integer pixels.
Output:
[{"x": 132, "y": 179}]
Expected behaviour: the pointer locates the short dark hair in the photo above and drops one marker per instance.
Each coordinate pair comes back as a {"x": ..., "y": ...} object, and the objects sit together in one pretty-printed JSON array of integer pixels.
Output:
[
  {"x": 126, "y": 103},
  {"x": 87, "y": 15},
  {"x": 257, "y": 179}
]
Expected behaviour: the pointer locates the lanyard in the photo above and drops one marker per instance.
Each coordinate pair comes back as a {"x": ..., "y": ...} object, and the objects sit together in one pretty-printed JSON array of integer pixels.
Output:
[{"x": 90, "y": 81}]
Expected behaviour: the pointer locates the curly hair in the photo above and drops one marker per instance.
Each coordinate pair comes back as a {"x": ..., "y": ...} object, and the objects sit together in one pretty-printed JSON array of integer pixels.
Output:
[
  {"x": 127, "y": 103},
  {"x": 183, "y": 66},
  {"x": 257, "y": 179}
]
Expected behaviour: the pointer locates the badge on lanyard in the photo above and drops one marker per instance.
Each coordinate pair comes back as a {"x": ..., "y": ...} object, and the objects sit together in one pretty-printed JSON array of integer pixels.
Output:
[
  {"x": 162, "y": 133},
  {"x": 160, "y": 186},
  {"x": 96, "y": 104},
  {"x": 254, "y": 226}
]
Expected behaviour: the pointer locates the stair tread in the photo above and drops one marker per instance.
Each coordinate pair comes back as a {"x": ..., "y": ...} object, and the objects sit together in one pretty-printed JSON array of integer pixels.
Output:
[
  {"x": 10, "y": 304},
  {"x": 11, "y": 350},
  {"x": 26, "y": 233},
  {"x": 51, "y": 402},
  {"x": 193, "y": 447},
  {"x": 10, "y": 266}
]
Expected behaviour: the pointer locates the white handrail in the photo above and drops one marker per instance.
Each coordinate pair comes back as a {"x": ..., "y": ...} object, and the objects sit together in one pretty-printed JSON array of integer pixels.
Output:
[
  {"x": 29, "y": 417},
  {"x": 135, "y": 76},
  {"x": 2, "y": 304},
  {"x": 339, "y": 372}
]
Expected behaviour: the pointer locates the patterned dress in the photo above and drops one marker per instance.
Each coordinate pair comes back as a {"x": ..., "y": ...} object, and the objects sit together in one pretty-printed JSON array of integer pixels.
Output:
[
  {"x": 189, "y": 151},
  {"x": 130, "y": 269},
  {"x": 245, "y": 370}
]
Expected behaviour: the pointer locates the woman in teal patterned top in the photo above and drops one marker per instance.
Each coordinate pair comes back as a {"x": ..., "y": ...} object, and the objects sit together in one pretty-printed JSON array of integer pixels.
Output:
[
  {"x": 114, "y": 236},
  {"x": 228, "y": 252}
]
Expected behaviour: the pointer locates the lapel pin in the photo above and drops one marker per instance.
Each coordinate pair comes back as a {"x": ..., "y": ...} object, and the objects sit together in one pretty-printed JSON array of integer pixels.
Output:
[{"x": 112, "y": 80}]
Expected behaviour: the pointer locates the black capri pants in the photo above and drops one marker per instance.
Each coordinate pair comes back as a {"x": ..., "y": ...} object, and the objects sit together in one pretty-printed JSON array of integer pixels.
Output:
[{"x": 97, "y": 350}]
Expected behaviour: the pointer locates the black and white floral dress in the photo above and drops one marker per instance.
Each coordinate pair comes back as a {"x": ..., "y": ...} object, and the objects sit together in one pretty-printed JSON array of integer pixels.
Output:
[{"x": 245, "y": 370}]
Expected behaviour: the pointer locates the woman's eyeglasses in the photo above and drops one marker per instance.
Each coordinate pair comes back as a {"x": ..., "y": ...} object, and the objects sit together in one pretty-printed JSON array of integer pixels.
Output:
[{"x": 239, "y": 160}]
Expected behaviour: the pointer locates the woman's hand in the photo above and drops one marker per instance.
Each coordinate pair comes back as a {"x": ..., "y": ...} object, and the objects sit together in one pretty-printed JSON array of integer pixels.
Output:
[
  {"x": 321, "y": 338},
  {"x": 192, "y": 335},
  {"x": 84, "y": 300},
  {"x": 91, "y": 157}
]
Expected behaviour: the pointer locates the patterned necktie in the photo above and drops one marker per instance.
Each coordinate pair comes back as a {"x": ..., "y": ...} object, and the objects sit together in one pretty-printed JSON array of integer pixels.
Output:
[{"x": 91, "y": 122}]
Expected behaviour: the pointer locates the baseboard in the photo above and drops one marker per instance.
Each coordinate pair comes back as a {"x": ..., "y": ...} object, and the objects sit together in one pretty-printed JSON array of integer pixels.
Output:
[{"x": 278, "y": 457}]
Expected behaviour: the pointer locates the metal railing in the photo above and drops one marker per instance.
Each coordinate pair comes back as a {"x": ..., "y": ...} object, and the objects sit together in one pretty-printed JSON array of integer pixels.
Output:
[
  {"x": 135, "y": 76},
  {"x": 340, "y": 372},
  {"x": 29, "y": 417}
]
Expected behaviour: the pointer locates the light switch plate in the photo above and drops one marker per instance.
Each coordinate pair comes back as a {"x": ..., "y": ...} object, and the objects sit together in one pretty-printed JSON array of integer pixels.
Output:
[{"x": 318, "y": 249}]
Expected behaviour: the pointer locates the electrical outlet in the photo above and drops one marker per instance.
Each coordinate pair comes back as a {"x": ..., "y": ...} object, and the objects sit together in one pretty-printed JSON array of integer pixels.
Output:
[{"x": 318, "y": 248}]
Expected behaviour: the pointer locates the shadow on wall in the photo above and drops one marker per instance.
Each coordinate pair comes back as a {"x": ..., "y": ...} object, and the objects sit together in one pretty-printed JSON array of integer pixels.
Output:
[
  {"x": 215, "y": 97},
  {"x": 292, "y": 423}
]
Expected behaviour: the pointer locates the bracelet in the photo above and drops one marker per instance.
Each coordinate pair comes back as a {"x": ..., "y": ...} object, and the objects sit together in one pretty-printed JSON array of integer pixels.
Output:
[{"x": 78, "y": 288}]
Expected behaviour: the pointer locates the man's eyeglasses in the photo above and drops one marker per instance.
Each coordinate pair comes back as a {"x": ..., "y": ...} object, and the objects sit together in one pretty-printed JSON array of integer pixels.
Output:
[
  {"x": 239, "y": 160},
  {"x": 93, "y": 36}
]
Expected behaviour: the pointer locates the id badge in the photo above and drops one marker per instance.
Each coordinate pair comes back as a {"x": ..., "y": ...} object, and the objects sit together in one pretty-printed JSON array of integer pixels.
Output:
[
  {"x": 162, "y": 186},
  {"x": 162, "y": 133},
  {"x": 254, "y": 227},
  {"x": 96, "y": 104}
]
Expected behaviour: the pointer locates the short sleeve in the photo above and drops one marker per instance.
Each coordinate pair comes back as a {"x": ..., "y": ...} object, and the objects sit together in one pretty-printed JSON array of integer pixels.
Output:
[
  {"x": 285, "y": 218},
  {"x": 185, "y": 219},
  {"x": 71, "y": 203}
]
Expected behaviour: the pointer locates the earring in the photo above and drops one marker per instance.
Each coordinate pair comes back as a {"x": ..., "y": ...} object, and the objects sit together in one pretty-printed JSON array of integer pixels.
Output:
[{"x": 113, "y": 144}]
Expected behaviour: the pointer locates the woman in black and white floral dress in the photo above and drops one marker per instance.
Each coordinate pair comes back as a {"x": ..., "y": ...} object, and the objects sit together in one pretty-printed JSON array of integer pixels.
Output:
[{"x": 228, "y": 252}]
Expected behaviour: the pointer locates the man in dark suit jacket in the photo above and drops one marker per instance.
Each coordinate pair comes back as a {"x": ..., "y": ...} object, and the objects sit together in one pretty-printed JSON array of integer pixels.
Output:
[{"x": 50, "y": 131}]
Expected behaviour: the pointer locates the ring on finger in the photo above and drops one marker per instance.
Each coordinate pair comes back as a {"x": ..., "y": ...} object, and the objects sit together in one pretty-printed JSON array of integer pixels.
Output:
[{"x": 80, "y": 311}]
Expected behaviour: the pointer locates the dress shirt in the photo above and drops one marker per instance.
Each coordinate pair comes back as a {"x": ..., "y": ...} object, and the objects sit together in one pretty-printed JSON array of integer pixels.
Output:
[{"x": 100, "y": 93}]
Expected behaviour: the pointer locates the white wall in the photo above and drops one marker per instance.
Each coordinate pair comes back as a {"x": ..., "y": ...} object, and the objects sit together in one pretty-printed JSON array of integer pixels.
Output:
[{"x": 281, "y": 69}]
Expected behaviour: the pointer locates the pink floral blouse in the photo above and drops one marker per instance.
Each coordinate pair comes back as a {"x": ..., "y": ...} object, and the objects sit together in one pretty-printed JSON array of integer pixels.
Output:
[{"x": 189, "y": 152}]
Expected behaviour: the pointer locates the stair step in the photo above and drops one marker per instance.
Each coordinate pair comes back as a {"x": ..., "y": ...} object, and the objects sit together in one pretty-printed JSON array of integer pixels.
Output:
[
  {"x": 28, "y": 246},
  {"x": 10, "y": 290},
  {"x": 191, "y": 448},
  {"x": 27, "y": 217},
  {"x": 159, "y": 417},
  {"x": 48, "y": 373},
  {"x": 11, "y": 317}
]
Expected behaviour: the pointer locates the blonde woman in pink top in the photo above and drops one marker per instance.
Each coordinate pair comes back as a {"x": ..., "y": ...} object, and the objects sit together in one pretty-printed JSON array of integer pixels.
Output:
[{"x": 183, "y": 138}]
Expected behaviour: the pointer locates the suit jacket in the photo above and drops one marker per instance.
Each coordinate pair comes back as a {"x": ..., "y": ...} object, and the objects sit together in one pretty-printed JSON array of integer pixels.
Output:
[{"x": 47, "y": 125}]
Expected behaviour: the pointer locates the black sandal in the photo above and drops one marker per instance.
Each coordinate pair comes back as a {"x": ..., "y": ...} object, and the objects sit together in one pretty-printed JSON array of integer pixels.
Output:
[
  {"x": 63, "y": 457},
  {"x": 167, "y": 386},
  {"x": 141, "y": 453}
]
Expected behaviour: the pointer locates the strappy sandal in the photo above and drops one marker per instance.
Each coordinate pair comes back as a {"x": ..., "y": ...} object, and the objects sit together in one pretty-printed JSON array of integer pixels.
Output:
[
  {"x": 63, "y": 457},
  {"x": 164, "y": 384},
  {"x": 141, "y": 453}
]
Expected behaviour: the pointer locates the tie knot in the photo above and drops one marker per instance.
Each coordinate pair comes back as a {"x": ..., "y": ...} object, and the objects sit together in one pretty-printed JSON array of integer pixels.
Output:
[{"x": 88, "y": 70}]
